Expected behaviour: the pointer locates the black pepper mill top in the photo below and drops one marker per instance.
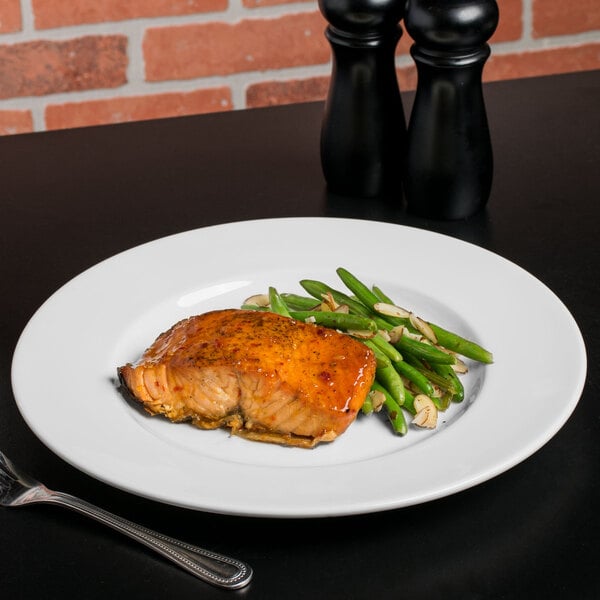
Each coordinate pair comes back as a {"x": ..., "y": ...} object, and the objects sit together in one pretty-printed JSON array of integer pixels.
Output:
[
  {"x": 363, "y": 133},
  {"x": 359, "y": 19},
  {"x": 449, "y": 162}
]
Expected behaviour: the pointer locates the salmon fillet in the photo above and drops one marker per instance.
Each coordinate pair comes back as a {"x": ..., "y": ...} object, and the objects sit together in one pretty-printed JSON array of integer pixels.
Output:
[{"x": 266, "y": 377}]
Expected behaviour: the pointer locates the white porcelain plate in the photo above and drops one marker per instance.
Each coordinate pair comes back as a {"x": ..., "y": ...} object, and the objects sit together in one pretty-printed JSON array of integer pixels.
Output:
[{"x": 64, "y": 368}]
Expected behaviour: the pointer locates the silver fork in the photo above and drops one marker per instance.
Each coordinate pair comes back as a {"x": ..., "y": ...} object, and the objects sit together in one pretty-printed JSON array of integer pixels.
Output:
[{"x": 18, "y": 489}]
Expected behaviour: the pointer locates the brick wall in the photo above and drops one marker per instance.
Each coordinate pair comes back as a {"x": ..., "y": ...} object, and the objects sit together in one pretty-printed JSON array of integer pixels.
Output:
[{"x": 67, "y": 63}]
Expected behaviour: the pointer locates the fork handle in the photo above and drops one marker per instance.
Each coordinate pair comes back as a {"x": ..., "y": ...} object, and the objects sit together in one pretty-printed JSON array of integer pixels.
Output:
[{"x": 219, "y": 570}]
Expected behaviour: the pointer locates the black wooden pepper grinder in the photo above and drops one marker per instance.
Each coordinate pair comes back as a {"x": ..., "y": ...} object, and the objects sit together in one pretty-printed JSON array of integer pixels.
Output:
[
  {"x": 449, "y": 162},
  {"x": 363, "y": 133}
]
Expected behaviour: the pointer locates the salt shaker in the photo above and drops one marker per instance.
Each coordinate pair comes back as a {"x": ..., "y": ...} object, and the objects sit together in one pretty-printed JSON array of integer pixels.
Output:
[
  {"x": 364, "y": 130},
  {"x": 449, "y": 163}
]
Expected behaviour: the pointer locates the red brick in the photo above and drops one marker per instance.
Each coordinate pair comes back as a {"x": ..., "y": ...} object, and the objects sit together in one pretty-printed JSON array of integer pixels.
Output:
[
  {"x": 407, "y": 77},
  {"x": 10, "y": 16},
  {"x": 61, "y": 13},
  {"x": 557, "y": 17},
  {"x": 269, "y": 93},
  {"x": 543, "y": 62},
  {"x": 510, "y": 24},
  {"x": 138, "y": 108},
  {"x": 258, "y": 3},
  {"x": 200, "y": 50},
  {"x": 48, "y": 67},
  {"x": 15, "y": 121},
  {"x": 404, "y": 44}
]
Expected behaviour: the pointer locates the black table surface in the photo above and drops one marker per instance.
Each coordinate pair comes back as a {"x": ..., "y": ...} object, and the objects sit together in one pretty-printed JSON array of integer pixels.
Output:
[{"x": 69, "y": 199}]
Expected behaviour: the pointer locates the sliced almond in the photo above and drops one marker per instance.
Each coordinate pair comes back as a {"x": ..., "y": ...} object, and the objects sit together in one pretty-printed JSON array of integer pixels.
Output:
[
  {"x": 329, "y": 300},
  {"x": 413, "y": 336},
  {"x": 437, "y": 391},
  {"x": 377, "y": 399},
  {"x": 391, "y": 310},
  {"x": 258, "y": 300},
  {"x": 422, "y": 401},
  {"x": 396, "y": 333},
  {"x": 460, "y": 367},
  {"x": 427, "y": 413},
  {"x": 385, "y": 335},
  {"x": 423, "y": 327},
  {"x": 399, "y": 331},
  {"x": 342, "y": 308},
  {"x": 362, "y": 334}
]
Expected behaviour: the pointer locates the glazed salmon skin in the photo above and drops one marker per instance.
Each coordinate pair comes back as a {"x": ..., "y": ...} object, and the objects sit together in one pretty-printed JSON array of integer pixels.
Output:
[{"x": 264, "y": 376}]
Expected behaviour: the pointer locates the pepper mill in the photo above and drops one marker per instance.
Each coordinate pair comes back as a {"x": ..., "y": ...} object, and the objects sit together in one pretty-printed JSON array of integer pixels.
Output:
[
  {"x": 363, "y": 132},
  {"x": 449, "y": 163}
]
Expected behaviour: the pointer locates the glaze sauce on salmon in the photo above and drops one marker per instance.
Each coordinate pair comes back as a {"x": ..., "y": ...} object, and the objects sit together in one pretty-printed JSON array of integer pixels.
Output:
[{"x": 264, "y": 376}]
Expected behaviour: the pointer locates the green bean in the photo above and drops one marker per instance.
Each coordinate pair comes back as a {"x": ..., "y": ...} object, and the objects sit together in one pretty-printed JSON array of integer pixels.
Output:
[
  {"x": 296, "y": 302},
  {"x": 448, "y": 372},
  {"x": 367, "y": 407},
  {"x": 409, "y": 402},
  {"x": 394, "y": 412},
  {"x": 381, "y": 295},
  {"x": 443, "y": 402},
  {"x": 359, "y": 289},
  {"x": 461, "y": 346},
  {"x": 366, "y": 296},
  {"x": 445, "y": 383},
  {"x": 318, "y": 289},
  {"x": 336, "y": 320},
  {"x": 431, "y": 354},
  {"x": 389, "y": 378},
  {"x": 387, "y": 348},
  {"x": 255, "y": 307},
  {"x": 381, "y": 322},
  {"x": 277, "y": 304},
  {"x": 396, "y": 417},
  {"x": 449, "y": 340},
  {"x": 414, "y": 376},
  {"x": 381, "y": 357}
]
